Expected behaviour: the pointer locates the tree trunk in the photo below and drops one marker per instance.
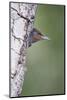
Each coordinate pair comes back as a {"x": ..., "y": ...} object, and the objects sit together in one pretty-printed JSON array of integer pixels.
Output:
[{"x": 21, "y": 23}]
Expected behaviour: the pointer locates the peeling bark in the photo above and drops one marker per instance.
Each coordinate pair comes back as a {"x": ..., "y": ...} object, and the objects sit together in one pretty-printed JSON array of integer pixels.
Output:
[{"x": 22, "y": 19}]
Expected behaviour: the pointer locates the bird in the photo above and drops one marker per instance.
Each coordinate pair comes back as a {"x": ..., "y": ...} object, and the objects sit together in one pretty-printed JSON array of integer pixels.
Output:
[{"x": 35, "y": 36}]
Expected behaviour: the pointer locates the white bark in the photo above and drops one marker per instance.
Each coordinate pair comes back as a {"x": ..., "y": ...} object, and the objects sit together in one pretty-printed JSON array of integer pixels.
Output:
[{"x": 20, "y": 29}]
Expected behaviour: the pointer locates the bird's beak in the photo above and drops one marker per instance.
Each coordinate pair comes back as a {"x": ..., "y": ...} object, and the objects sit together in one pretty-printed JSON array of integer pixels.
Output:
[{"x": 45, "y": 38}]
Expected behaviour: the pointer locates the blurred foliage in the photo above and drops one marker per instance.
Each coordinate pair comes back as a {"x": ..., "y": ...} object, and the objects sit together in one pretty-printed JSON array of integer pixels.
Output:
[{"x": 45, "y": 59}]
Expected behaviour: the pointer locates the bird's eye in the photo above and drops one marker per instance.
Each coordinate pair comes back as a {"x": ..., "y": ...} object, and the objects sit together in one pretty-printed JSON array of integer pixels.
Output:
[{"x": 32, "y": 17}]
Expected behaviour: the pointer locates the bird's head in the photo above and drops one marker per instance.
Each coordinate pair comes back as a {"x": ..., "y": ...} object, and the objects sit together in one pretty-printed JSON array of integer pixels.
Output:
[{"x": 36, "y": 35}]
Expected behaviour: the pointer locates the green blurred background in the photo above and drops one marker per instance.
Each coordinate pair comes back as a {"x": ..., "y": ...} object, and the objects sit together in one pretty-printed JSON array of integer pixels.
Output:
[{"x": 45, "y": 59}]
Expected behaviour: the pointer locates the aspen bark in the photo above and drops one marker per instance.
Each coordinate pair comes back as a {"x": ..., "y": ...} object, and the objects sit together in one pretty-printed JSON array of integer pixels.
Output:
[{"x": 21, "y": 23}]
